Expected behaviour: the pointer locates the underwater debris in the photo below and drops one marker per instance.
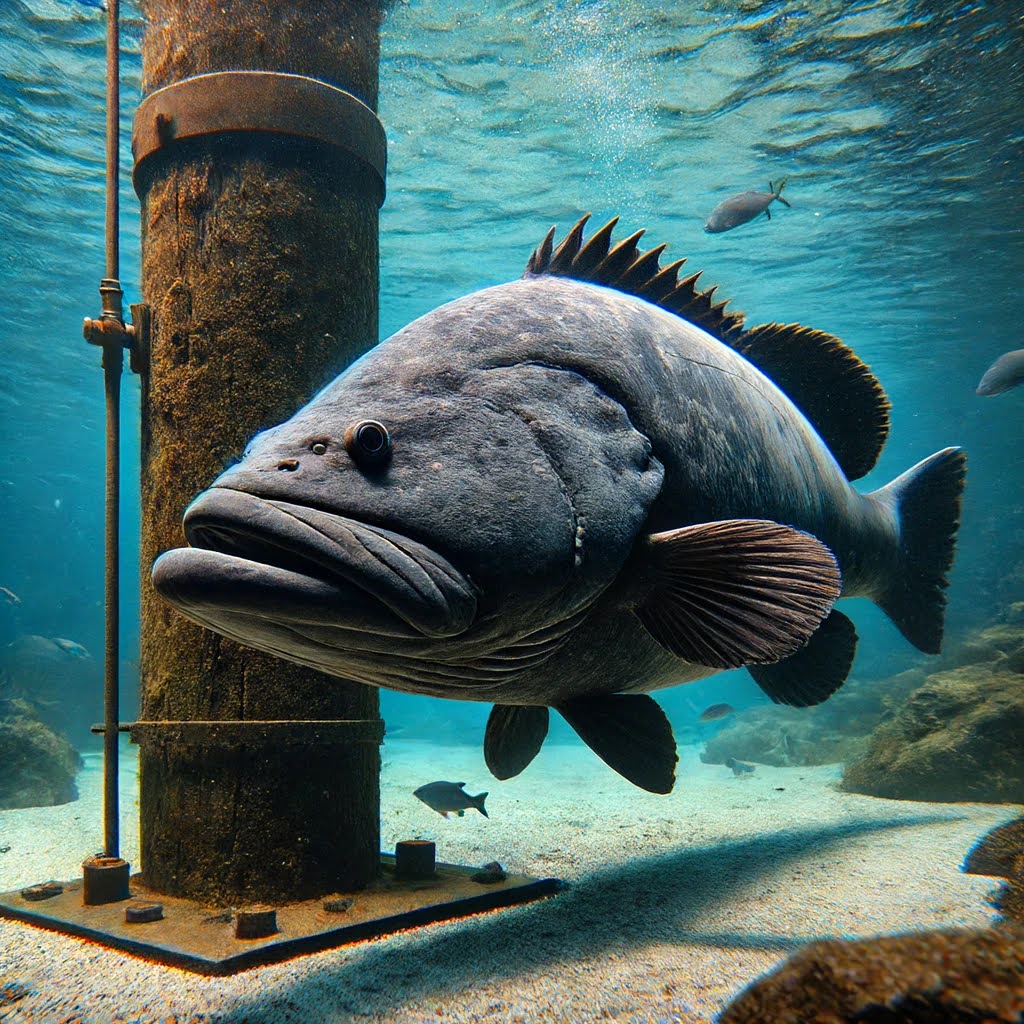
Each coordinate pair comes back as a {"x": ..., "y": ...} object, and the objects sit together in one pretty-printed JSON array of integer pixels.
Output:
[
  {"x": 1000, "y": 853},
  {"x": 738, "y": 209},
  {"x": 963, "y": 976},
  {"x": 654, "y": 574},
  {"x": 1005, "y": 373},
  {"x": 490, "y": 874},
  {"x": 340, "y": 905},
  {"x": 448, "y": 797}
]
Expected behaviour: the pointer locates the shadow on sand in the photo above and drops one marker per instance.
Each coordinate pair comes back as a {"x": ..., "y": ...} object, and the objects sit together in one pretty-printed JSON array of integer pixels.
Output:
[{"x": 617, "y": 910}]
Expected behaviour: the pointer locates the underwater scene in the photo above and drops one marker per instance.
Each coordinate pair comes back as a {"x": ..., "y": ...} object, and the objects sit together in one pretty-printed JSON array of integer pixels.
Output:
[{"x": 670, "y": 516}]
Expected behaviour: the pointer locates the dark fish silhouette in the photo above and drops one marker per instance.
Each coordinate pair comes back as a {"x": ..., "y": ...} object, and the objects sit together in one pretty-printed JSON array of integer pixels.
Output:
[
  {"x": 448, "y": 797},
  {"x": 1005, "y": 373},
  {"x": 739, "y": 767},
  {"x": 569, "y": 491},
  {"x": 737, "y": 210},
  {"x": 716, "y": 712}
]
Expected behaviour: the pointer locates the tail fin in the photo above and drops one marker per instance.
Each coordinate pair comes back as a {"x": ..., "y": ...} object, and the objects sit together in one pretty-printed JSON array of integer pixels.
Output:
[
  {"x": 478, "y": 802},
  {"x": 926, "y": 501},
  {"x": 778, "y": 191}
]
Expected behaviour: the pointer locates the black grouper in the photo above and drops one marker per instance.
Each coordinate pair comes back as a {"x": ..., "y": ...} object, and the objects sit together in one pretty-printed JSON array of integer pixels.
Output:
[{"x": 568, "y": 491}]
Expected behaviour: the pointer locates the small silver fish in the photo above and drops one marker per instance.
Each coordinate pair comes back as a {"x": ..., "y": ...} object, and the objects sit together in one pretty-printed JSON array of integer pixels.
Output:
[
  {"x": 448, "y": 797},
  {"x": 9, "y": 596},
  {"x": 1005, "y": 373},
  {"x": 716, "y": 712},
  {"x": 738, "y": 767},
  {"x": 738, "y": 209},
  {"x": 72, "y": 648}
]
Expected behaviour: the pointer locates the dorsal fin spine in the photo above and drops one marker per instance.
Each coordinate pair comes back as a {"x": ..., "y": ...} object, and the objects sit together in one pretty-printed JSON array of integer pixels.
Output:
[
  {"x": 595, "y": 250},
  {"x": 624, "y": 268}
]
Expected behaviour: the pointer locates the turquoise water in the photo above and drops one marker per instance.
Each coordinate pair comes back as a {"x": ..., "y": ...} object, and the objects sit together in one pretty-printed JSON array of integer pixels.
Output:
[{"x": 896, "y": 124}]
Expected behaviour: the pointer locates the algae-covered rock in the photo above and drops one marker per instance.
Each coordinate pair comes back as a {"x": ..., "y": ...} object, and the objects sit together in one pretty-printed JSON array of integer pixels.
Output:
[
  {"x": 957, "y": 737},
  {"x": 37, "y": 766},
  {"x": 1001, "y": 853},
  {"x": 941, "y": 977},
  {"x": 1000, "y": 646}
]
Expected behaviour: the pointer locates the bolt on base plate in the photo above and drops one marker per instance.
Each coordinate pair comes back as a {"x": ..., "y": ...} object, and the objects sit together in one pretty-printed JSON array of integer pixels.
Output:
[{"x": 202, "y": 939}]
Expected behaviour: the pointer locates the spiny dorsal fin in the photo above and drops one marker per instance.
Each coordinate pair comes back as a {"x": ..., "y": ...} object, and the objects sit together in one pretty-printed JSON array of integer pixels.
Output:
[
  {"x": 829, "y": 384},
  {"x": 628, "y": 270}
]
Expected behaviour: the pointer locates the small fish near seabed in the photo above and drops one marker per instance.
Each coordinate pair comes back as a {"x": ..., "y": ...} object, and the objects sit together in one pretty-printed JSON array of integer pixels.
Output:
[
  {"x": 738, "y": 209},
  {"x": 569, "y": 491},
  {"x": 1005, "y": 373},
  {"x": 716, "y": 712},
  {"x": 739, "y": 768},
  {"x": 450, "y": 798}
]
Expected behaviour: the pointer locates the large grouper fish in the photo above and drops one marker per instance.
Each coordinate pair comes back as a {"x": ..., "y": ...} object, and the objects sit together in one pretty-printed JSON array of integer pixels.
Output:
[{"x": 568, "y": 491}]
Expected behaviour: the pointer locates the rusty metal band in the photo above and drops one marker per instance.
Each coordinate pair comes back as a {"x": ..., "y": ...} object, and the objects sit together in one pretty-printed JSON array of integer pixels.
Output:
[
  {"x": 312, "y": 732},
  {"x": 259, "y": 101}
]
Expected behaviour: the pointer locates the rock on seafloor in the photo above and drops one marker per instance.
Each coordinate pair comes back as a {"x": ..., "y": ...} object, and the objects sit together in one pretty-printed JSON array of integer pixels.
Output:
[
  {"x": 957, "y": 737},
  {"x": 963, "y": 976},
  {"x": 38, "y": 765},
  {"x": 1001, "y": 853}
]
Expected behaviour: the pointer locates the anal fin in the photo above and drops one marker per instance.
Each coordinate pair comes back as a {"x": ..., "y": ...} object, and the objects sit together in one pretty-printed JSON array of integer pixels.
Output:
[
  {"x": 816, "y": 671},
  {"x": 513, "y": 738},
  {"x": 630, "y": 733}
]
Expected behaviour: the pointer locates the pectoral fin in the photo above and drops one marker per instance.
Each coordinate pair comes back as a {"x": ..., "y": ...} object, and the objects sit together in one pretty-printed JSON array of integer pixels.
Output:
[
  {"x": 630, "y": 733},
  {"x": 513, "y": 738},
  {"x": 816, "y": 671},
  {"x": 735, "y": 592}
]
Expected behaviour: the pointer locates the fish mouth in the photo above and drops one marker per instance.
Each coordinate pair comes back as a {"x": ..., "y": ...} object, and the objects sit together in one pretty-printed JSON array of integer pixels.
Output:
[{"x": 296, "y": 564}]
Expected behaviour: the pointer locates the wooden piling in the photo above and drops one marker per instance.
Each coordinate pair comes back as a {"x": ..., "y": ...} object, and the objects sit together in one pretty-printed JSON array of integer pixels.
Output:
[{"x": 259, "y": 262}]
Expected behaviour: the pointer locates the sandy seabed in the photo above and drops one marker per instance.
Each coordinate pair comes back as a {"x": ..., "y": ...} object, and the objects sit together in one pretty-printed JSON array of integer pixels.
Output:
[{"x": 675, "y": 903}]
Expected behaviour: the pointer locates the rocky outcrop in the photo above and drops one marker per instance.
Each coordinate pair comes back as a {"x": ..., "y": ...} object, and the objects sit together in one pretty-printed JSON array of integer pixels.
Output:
[
  {"x": 37, "y": 766},
  {"x": 957, "y": 737},
  {"x": 941, "y": 977},
  {"x": 1000, "y": 853}
]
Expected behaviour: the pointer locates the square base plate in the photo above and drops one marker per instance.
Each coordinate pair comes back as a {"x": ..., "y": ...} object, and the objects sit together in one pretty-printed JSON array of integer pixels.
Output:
[{"x": 202, "y": 939}]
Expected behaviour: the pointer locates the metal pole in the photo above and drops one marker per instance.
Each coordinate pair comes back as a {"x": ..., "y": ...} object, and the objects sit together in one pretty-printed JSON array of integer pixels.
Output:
[
  {"x": 105, "y": 879},
  {"x": 113, "y": 140},
  {"x": 113, "y": 363}
]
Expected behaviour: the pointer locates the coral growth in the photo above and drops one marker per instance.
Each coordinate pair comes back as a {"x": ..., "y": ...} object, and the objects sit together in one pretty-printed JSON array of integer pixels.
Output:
[
  {"x": 1001, "y": 853},
  {"x": 941, "y": 977},
  {"x": 39, "y": 766}
]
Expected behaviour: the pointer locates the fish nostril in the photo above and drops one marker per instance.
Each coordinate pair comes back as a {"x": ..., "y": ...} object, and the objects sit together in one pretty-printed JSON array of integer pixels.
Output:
[{"x": 289, "y": 464}]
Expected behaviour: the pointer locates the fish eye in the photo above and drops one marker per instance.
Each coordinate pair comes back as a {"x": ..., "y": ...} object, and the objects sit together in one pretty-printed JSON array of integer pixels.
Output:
[
  {"x": 369, "y": 443},
  {"x": 319, "y": 448}
]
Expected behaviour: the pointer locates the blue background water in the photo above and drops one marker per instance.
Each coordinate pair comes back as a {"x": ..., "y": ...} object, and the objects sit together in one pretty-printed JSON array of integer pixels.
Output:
[{"x": 896, "y": 123}]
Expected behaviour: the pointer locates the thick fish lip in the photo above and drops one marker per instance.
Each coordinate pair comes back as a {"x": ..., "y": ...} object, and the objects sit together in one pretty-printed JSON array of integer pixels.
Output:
[{"x": 303, "y": 562}]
